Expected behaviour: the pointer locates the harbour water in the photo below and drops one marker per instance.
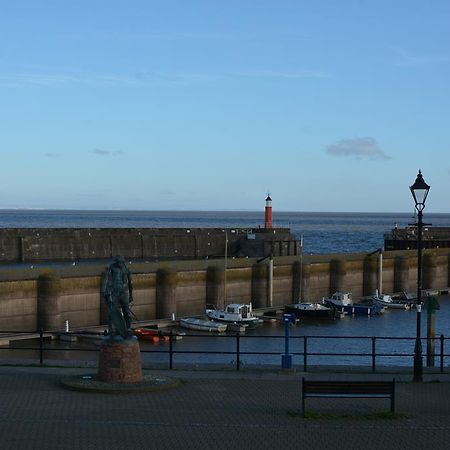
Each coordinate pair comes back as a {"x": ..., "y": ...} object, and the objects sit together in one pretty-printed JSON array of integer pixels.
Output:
[
  {"x": 343, "y": 337},
  {"x": 347, "y": 338},
  {"x": 322, "y": 233}
]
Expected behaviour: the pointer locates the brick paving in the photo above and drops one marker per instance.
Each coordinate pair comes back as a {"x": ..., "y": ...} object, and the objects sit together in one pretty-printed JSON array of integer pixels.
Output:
[{"x": 213, "y": 410}]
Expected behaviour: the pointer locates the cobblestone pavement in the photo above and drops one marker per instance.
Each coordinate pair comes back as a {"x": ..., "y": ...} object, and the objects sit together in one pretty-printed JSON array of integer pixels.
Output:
[{"x": 213, "y": 410}]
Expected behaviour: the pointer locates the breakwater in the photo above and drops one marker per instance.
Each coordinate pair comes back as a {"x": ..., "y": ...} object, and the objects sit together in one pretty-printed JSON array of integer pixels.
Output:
[
  {"x": 33, "y": 297},
  {"x": 73, "y": 244}
]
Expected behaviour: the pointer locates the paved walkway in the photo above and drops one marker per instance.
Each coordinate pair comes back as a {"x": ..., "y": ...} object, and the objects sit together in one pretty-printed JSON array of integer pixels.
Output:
[{"x": 214, "y": 410}]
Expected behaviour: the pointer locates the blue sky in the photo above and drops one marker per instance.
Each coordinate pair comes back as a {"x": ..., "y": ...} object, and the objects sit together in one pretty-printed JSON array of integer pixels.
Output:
[{"x": 207, "y": 105}]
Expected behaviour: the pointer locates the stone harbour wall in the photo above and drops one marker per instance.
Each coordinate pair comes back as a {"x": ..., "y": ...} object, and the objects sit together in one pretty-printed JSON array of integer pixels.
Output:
[
  {"x": 75, "y": 244},
  {"x": 34, "y": 297}
]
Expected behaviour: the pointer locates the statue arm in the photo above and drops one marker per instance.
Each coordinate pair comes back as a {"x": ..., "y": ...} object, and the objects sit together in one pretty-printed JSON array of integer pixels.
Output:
[
  {"x": 105, "y": 288},
  {"x": 130, "y": 285}
]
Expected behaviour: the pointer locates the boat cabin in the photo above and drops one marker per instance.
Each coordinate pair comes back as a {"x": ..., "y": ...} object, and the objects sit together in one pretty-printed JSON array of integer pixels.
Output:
[
  {"x": 342, "y": 298},
  {"x": 243, "y": 310}
]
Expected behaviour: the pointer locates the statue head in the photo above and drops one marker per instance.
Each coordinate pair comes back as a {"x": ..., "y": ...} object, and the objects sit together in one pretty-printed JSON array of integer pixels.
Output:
[{"x": 118, "y": 259}]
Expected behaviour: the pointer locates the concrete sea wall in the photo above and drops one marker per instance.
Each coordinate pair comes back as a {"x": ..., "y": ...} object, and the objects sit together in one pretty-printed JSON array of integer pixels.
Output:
[
  {"x": 31, "y": 297},
  {"x": 74, "y": 244}
]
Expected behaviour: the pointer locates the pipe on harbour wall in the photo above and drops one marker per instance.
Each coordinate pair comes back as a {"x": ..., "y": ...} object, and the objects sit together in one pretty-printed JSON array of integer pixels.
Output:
[
  {"x": 166, "y": 286},
  {"x": 48, "y": 304}
]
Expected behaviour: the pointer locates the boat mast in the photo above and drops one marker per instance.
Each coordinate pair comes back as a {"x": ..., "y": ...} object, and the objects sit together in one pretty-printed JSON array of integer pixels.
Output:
[
  {"x": 225, "y": 270},
  {"x": 380, "y": 272}
]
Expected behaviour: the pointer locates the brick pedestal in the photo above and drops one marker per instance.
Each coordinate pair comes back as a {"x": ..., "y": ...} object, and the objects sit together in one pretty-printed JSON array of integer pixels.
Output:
[{"x": 120, "y": 361}]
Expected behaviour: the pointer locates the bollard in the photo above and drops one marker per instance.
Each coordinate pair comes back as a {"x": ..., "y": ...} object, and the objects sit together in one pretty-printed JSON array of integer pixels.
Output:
[
  {"x": 286, "y": 358},
  {"x": 305, "y": 353},
  {"x": 238, "y": 351},
  {"x": 171, "y": 350},
  {"x": 373, "y": 354},
  {"x": 41, "y": 346}
]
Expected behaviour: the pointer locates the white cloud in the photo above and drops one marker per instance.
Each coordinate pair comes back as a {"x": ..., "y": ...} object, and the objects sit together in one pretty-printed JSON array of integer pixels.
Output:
[
  {"x": 406, "y": 59},
  {"x": 362, "y": 147},
  {"x": 64, "y": 79},
  {"x": 144, "y": 78},
  {"x": 297, "y": 74},
  {"x": 101, "y": 152}
]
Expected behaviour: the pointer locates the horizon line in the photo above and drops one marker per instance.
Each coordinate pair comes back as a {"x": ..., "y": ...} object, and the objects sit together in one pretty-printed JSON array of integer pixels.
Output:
[{"x": 209, "y": 211}]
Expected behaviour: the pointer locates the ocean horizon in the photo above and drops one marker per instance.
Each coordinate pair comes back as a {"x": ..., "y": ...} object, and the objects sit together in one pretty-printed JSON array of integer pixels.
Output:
[{"x": 322, "y": 232}]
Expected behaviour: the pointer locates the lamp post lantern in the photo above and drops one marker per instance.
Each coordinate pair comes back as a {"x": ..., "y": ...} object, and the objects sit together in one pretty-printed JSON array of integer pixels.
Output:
[{"x": 419, "y": 191}]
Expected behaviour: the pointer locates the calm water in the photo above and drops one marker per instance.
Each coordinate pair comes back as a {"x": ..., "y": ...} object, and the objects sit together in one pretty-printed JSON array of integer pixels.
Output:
[
  {"x": 342, "y": 336},
  {"x": 321, "y": 339},
  {"x": 322, "y": 232}
]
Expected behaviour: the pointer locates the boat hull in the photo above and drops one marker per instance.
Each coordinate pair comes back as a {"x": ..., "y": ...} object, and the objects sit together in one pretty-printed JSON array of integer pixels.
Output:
[
  {"x": 391, "y": 305},
  {"x": 203, "y": 325},
  {"x": 150, "y": 335},
  {"x": 324, "y": 314},
  {"x": 356, "y": 309},
  {"x": 248, "y": 323},
  {"x": 234, "y": 313}
]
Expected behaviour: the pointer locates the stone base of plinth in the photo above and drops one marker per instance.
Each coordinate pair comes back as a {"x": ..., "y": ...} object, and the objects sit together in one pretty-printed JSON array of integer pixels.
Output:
[{"x": 120, "y": 361}]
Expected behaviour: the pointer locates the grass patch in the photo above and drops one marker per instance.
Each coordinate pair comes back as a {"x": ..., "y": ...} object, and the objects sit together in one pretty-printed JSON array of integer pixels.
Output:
[{"x": 384, "y": 415}]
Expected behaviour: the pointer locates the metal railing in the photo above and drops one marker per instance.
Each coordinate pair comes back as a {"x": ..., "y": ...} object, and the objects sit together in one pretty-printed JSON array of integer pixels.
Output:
[{"x": 304, "y": 348}]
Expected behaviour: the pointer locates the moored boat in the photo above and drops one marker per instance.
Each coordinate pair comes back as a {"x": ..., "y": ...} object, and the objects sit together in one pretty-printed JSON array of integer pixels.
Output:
[
  {"x": 239, "y": 313},
  {"x": 405, "y": 297},
  {"x": 193, "y": 323},
  {"x": 307, "y": 310},
  {"x": 342, "y": 302},
  {"x": 147, "y": 334},
  {"x": 386, "y": 301}
]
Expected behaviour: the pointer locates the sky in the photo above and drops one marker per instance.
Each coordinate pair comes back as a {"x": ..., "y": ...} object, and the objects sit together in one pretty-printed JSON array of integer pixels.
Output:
[{"x": 329, "y": 105}]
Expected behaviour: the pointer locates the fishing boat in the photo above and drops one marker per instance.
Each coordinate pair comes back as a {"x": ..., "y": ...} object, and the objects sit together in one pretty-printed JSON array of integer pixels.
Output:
[
  {"x": 306, "y": 310},
  {"x": 193, "y": 323},
  {"x": 342, "y": 302},
  {"x": 238, "y": 316},
  {"x": 235, "y": 313},
  {"x": 147, "y": 334},
  {"x": 387, "y": 302},
  {"x": 404, "y": 297}
]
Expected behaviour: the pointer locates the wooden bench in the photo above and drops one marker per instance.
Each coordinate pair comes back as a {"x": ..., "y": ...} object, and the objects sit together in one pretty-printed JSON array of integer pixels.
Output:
[{"x": 348, "y": 389}]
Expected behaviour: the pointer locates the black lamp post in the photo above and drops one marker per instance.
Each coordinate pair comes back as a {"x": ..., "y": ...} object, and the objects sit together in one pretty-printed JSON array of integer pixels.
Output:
[{"x": 419, "y": 191}]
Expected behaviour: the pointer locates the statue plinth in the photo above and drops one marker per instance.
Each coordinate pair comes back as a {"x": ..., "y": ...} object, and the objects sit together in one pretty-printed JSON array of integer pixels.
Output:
[{"x": 120, "y": 361}]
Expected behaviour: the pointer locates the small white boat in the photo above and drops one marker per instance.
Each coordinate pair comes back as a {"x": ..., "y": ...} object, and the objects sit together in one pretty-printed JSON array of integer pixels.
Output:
[
  {"x": 235, "y": 313},
  {"x": 387, "y": 302},
  {"x": 193, "y": 323}
]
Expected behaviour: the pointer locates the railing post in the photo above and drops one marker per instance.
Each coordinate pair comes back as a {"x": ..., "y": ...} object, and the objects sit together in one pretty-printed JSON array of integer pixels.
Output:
[
  {"x": 305, "y": 353},
  {"x": 373, "y": 354},
  {"x": 41, "y": 346},
  {"x": 171, "y": 349},
  {"x": 238, "y": 351},
  {"x": 441, "y": 338}
]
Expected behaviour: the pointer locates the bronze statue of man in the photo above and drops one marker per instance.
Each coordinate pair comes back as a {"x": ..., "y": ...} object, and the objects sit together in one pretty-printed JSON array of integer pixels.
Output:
[{"x": 117, "y": 291}]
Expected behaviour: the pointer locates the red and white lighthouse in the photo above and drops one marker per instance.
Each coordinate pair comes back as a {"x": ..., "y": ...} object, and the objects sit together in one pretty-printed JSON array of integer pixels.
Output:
[{"x": 268, "y": 213}]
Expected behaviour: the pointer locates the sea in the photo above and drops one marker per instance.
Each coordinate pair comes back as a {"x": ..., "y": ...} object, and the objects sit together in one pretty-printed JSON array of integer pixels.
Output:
[
  {"x": 347, "y": 339},
  {"x": 322, "y": 232}
]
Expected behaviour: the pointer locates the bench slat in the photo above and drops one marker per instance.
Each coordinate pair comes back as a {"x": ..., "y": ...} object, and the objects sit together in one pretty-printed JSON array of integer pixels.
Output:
[{"x": 348, "y": 389}]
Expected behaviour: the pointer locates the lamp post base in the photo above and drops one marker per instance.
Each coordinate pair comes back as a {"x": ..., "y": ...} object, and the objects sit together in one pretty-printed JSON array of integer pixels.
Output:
[{"x": 418, "y": 362}]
